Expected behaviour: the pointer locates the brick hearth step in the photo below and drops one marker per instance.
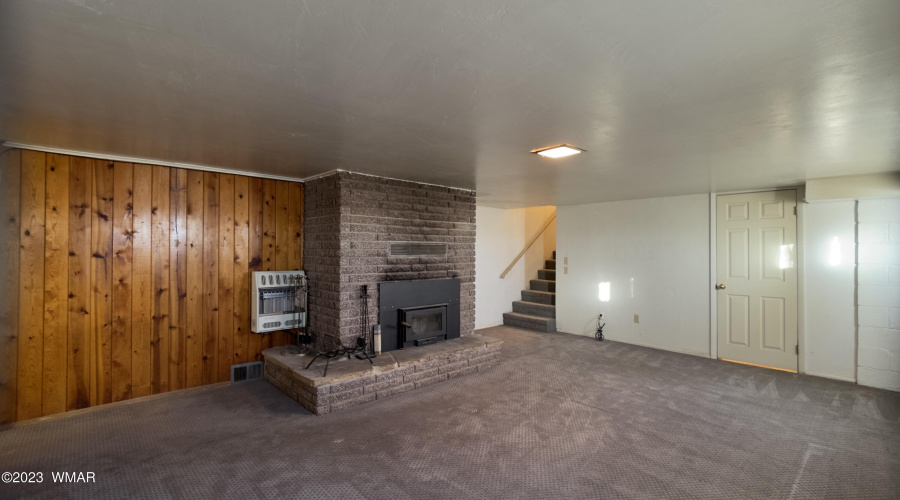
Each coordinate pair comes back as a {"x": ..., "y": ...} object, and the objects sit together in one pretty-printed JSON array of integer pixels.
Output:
[
  {"x": 352, "y": 382},
  {"x": 539, "y": 297},
  {"x": 532, "y": 309},
  {"x": 529, "y": 322},
  {"x": 543, "y": 285}
]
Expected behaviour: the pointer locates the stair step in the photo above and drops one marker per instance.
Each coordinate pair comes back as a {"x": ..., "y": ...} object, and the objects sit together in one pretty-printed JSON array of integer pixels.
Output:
[
  {"x": 547, "y": 274},
  {"x": 550, "y": 264},
  {"x": 543, "y": 285},
  {"x": 554, "y": 255},
  {"x": 539, "y": 297},
  {"x": 529, "y": 322},
  {"x": 532, "y": 309}
]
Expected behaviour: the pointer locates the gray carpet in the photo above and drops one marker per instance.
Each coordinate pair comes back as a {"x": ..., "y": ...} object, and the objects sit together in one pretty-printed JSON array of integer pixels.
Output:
[{"x": 560, "y": 417}]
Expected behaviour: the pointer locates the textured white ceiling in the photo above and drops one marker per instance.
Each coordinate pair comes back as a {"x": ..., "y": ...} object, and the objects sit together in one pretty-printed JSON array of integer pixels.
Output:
[{"x": 667, "y": 97}]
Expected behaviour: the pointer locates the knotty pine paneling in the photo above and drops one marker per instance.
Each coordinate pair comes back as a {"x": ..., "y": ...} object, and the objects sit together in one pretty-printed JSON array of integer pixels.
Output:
[
  {"x": 210, "y": 275},
  {"x": 224, "y": 356},
  {"x": 56, "y": 275},
  {"x": 31, "y": 286},
  {"x": 10, "y": 210},
  {"x": 194, "y": 305},
  {"x": 125, "y": 280},
  {"x": 159, "y": 271},
  {"x": 121, "y": 332},
  {"x": 79, "y": 284},
  {"x": 142, "y": 284},
  {"x": 102, "y": 281},
  {"x": 177, "y": 277}
]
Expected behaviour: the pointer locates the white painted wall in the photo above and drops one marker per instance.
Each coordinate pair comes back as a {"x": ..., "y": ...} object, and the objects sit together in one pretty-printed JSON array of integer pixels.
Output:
[
  {"x": 829, "y": 274},
  {"x": 879, "y": 293},
  {"x": 854, "y": 187},
  {"x": 655, "y": 255},
  {"x": 500, "y": 234}
]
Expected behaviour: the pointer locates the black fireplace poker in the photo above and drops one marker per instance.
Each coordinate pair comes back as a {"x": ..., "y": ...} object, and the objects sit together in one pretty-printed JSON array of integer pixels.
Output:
[{"x": 360, "y": 349}]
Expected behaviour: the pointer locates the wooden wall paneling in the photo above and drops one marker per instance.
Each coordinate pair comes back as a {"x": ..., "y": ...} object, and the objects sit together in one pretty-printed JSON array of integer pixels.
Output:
[
  {"x": 78, "y": 379},
  {"x": 101, "y": 278},
  {"x": 226, "y": 277},
  {"x": 225, "y": 343},
  {"x": 268, "y": 243},
  {"x": 159, "y": 263},
  {"x": 255, "y": 243},
  {"x": 128, "y": 280},
  {"x": 195, "y": 271},
  {"x": 10, "y": 210},
  {"x": 295, "y": 225},
  {"x": 56, "y": 279},
  {"x": 178, "y": 277},
  {"x": 31, "y": 286},
  {"x": 295, "y": 229},
  {"x": 241, "y": 269},
  {"x": 283, "y": 240},
  {"x": 121, "y": 332},
  {"x": 142, "y": 281},
  {"x": 210, "y": 275}
]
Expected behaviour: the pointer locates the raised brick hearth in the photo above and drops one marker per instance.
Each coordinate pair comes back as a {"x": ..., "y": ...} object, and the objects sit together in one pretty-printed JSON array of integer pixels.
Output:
[{"x": 353, "y": 382}]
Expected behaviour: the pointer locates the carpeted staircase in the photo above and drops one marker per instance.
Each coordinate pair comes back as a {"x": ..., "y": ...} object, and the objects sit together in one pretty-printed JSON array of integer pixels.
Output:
[{"x": 537, "y": 309}]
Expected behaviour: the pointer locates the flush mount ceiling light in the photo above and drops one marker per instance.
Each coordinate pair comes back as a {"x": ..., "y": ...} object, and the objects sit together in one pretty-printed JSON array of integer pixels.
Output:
[{"x": 559, "y": 151}]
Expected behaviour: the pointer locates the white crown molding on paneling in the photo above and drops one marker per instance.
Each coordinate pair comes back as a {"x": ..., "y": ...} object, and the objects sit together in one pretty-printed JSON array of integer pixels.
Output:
[
  {"x": 206, "y": 168},
  {"x": 152, "y": 161}
]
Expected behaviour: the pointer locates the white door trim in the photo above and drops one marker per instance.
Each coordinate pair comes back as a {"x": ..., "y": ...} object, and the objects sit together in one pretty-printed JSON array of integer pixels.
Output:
[{"x": 713, "y": 303}]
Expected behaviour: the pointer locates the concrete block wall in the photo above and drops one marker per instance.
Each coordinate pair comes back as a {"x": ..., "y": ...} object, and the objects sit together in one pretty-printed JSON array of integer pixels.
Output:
[
  {"x": 352, "y": 217},
  {"x": 321, "y": 252},
  {"x": 878, "y": 293}
]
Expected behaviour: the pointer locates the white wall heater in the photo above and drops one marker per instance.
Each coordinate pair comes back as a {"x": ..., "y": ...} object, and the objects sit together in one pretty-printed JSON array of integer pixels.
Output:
[{"x": 278, "y": 300}]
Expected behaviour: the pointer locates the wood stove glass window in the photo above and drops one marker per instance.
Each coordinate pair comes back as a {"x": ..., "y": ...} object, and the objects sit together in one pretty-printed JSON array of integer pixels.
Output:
[
  {"x": 433, "y": 322},
  {"x": 424, "y": 322}
]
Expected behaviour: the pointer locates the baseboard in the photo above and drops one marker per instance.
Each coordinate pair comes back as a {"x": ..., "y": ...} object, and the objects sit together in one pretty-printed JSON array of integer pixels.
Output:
[
  {"x": 831, "y": 377},
  {"x": 670, "y": 349}
]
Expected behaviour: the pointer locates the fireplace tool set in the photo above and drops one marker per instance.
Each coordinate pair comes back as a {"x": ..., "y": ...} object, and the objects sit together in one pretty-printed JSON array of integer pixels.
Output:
[{"x": 362, "y": 342}]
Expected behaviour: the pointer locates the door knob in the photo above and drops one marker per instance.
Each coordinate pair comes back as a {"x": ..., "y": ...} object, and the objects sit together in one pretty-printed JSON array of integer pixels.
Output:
[{"x": 720, "y": 286}]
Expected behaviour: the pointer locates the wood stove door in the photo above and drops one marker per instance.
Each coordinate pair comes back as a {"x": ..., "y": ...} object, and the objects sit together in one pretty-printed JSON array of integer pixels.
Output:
[{"x": 424, "y": 323}]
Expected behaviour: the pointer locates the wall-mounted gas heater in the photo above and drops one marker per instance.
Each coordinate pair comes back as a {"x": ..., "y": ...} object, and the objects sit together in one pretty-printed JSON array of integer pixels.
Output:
[{"x": 278, "y": 300}]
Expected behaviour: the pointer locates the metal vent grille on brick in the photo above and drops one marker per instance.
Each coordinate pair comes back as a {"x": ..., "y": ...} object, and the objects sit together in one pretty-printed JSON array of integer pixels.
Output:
[{"x": 416, "y": 249}]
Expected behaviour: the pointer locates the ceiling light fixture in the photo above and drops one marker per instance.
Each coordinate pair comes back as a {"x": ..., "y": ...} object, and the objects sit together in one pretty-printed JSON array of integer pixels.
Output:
[{"x": 559, "y": 151}]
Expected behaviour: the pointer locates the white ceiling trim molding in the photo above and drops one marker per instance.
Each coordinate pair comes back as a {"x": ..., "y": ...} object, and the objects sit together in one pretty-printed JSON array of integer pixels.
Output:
[
  {"x": 205, "y": 168},
  {"x": 338, "y": 170},
  {"x": 854, "y": 187},
  {"x": 151, "y": 161}
]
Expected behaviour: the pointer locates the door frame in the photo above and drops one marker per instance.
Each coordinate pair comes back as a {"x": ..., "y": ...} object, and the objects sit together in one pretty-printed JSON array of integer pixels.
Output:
[{"x": 713, "y": 297}]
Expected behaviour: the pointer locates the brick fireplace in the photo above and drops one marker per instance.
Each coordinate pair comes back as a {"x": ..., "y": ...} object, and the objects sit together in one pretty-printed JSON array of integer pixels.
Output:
[{"x": 350, "y": 221}]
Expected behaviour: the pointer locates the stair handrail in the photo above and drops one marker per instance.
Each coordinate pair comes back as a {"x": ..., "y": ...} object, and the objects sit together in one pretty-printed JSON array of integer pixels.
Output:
[{"x": 536, "y": 236}]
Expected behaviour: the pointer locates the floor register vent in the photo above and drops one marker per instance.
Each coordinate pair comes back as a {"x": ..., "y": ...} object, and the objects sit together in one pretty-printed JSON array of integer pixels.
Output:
[{"x": 246, "y": 371}]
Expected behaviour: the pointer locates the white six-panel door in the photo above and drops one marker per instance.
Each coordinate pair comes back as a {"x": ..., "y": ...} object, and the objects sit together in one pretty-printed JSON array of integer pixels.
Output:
[{"x": 756, "y": 269}]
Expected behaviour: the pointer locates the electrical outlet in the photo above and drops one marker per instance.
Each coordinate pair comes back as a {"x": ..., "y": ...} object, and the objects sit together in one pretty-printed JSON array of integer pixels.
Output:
[
  {"x": 565, "y": 260},
  {"x": 637, "y": 318},
  {"x": 566, "y": 270}
]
